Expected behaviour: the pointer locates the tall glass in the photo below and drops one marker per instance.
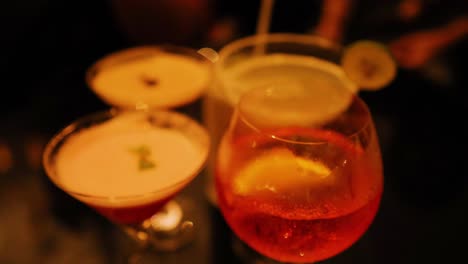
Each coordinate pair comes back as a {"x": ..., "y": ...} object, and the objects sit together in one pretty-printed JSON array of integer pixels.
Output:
[
  {"x": 293, "y": 187},
  {"x": 128, "y": 166},
  {"x": 290, "y": 59}
]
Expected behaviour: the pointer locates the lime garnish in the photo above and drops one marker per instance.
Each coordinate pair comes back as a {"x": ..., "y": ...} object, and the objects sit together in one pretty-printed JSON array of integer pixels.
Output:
[
  {"x": 279, "y": 170},
  {"x": 369, "y": 64},
  {"x": 143, "y": 152}
]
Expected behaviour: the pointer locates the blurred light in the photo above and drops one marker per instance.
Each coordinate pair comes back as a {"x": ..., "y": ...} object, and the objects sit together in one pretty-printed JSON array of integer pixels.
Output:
[
  {"x": 209, "y": 54},
  {"x": 168, "y": 218},
  {"x": 33, "y": 150},
  {"x": 6, "y": 158},
  {"x": 142, "y": 236},
  {"x": 410, "y": 9}
]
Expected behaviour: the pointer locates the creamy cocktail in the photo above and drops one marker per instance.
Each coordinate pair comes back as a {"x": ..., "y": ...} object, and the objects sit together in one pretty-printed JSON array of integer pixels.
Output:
[
  {"x": 127, "y": 165},
  {"x": 150, "y": 77}
]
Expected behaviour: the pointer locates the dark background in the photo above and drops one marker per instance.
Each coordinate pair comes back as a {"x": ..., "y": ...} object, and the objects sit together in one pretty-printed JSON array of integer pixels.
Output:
[{"x": 47, "y": 47}]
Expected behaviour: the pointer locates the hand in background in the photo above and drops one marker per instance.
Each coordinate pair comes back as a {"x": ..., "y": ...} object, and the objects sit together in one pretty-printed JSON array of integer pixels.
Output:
[
  {"x": 329, "y": 31},
  {"x": 416, "y": 49},
  {"x": 334, "y": 15}
]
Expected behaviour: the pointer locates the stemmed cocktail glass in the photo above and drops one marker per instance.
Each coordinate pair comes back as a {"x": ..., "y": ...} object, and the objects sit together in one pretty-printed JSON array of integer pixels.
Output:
[{"x": 128, "y": 165}]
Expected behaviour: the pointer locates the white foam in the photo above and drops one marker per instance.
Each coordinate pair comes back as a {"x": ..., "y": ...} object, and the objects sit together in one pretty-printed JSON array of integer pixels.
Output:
[
  {"x": 317, "y": 90},
  {"x": 178, "y": 80},
  {"x": 98, "y": 161}
]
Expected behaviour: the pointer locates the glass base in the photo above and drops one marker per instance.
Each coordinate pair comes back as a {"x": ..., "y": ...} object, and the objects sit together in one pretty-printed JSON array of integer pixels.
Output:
[{"x": 167, "y": 230}]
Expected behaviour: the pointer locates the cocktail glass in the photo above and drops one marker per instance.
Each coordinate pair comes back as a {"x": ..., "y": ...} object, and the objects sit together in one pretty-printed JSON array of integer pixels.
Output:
[
  {"x": 128, "y": 166},
  {"x": 295, "y": 187},
  {"x": 149, "y": 77},
  {"x": 271, "y": 58}
]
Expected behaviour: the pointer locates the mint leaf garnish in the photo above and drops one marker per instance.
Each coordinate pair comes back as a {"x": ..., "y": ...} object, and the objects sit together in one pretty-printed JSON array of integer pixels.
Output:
[
  {"x": 145, "y": 164},
  {"x": 143, "y": 152}
]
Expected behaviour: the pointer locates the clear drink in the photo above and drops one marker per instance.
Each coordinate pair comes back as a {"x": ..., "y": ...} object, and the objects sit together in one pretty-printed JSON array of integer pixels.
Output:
[{"x": 289, "y": 61}]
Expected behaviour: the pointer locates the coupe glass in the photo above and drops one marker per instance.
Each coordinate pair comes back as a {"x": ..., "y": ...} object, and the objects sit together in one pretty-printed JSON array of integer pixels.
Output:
[
  {"x": 150, "y": 77},
  {"x": 128, "y": 166},
  {"x": 294, "y": 187}
]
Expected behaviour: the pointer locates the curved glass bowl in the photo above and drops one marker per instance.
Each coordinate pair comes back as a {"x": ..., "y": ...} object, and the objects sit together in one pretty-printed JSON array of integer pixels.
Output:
[
  {"x": 138, "y": 212},
  {"x": 294, "y": 189}
]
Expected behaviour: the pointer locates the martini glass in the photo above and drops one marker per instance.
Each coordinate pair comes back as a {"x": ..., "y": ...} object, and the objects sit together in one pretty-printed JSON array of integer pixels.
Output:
[
  {"x": 150, "y": 77},
  {"x": 294, "y": 187},
  {"x": 128, "y": 166}
]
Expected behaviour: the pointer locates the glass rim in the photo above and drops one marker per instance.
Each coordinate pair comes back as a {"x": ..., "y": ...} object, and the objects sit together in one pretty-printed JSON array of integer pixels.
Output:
[
  {"x": 116, "y": 57},
  {"x": 354, "y": 98},
  {"x": 305, "y": 40},
  {"x": 293, "y": 38},
  {"x": 131, "y": 53},
  {"x": 59, "y": 137}
]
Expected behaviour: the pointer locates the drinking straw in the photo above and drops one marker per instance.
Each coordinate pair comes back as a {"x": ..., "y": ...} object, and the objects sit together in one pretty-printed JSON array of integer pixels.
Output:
[{"x": 263, "y": 23}]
